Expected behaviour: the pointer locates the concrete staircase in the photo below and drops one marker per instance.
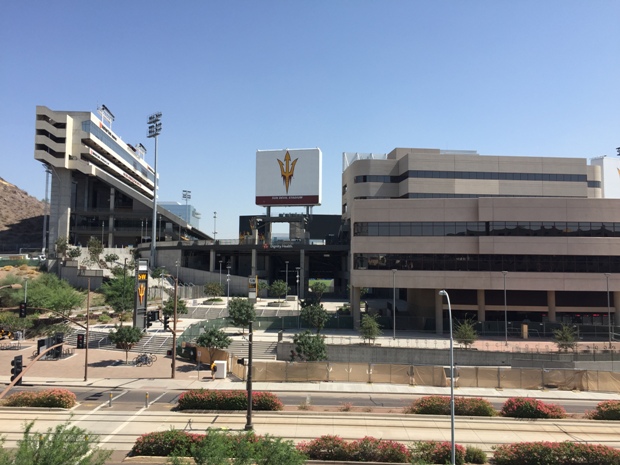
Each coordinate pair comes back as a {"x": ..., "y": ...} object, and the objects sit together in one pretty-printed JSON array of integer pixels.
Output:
[
  {"x": 150, "y": 343},
  {"x": 263, "y": 350}
]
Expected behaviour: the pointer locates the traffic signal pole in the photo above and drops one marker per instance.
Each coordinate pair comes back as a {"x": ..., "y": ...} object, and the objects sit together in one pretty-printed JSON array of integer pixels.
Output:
[{"x": 25, "y": 370}]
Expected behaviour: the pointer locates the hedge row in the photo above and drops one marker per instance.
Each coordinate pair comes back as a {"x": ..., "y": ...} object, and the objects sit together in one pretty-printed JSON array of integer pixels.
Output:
[
  {"x": 217, "y": 447},
  {"x": 555, "y": 453},
  {"x": 204, "y": 399},
  {"x": 516, "y": 407},
  {"x": 50, "y": 398}
]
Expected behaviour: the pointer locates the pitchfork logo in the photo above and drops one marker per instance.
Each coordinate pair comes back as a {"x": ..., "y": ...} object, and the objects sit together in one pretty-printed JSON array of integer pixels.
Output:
[{"x": 287, "y": 169}]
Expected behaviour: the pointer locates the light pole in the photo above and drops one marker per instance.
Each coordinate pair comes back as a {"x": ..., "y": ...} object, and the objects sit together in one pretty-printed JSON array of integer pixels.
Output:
[
  {"x": 445, "y": 293},
  {"x": 187, "y": 195},
  {"x": 394, "y": 302},
  {"x": 174, "y": 330},
  {"x": 26, "y": 290},
  {"x": 608, "y": 309},
  {"x": 248, "y": 423},
  {"x": 154, "y": 126},
  {"x": 176, "y": 262},
  {"x": 297, "y": 289},
  {"x": 227, "y": 286},
  {"x": 505, "y": 309},
  {"x": 220, "y": 273},
  {"x": 87, "y": 332},
  {"x": 286, "y": 279},
  {"x": 214, "y": 225},
  {"x": 102, "y": 226}
]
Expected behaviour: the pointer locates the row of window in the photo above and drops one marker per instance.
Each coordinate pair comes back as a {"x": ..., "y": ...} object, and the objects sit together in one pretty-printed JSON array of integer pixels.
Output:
[
  {"x": 488, "y": 228},
  {"x": 496, "y": 263},
  {"x": 92, "y": 128},
  {"x": 486, "y": 175}
]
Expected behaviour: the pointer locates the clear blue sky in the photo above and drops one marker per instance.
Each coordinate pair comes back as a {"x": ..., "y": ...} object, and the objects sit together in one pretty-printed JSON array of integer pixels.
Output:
[{"x": 527, "y": 77}]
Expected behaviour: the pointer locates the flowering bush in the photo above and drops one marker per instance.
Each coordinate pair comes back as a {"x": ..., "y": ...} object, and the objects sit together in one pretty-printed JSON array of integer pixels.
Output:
[
  {"x": 440, "y": 405},
  {"x": 60, "y": 398},
  {"x": 606, "y": 410},
  {"x": 203, "y": 399},
  {"x": 437, "y": 452},
  {"x": 325, "y": 448},
  {"x": 524, "y": 407},
  {"x": 369, "y": 449},
  {"x": 555, "y": 453},
  {"x": 164, "y": 443}
]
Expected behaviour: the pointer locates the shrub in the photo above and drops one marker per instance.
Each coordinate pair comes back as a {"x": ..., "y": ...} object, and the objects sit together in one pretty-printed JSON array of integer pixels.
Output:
[
  {"x": 555, "y": 453},
  {"x": 606, "y": 410},
  {"x": 440, "y": 405},
  {"x": 104, "y": 318},
  {"x": 437, "y": 452},
  {"x": 524, "y": 407},
  {"x": 325, "y": 448},
  {"x": 50, "y": 398},
  {"x": 475, "y": 455},
  {"x": 165, "y": 443},
  {"x": 369, "y": 449},
  {"x": 204, "y": 399}
]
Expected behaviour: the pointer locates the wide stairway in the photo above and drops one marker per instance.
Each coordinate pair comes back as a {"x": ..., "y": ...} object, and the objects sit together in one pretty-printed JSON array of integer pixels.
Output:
[{"x": 263, "y": 350}]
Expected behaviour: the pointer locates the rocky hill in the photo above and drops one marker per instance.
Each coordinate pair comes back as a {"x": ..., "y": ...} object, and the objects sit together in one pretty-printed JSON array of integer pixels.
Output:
[{"x": 21, "y": 219}]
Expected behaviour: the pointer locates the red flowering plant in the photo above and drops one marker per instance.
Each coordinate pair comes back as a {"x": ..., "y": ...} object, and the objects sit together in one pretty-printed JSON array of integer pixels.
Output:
[
  {"x": 555, "y": 453},
  {"x": 204, "y": 399},
  {"x": 437, "y": 452},
  {"x": 325, "y": 448},
  {"x": 50, "y": 398},
  {"x": 606, "y": 410},
  {"x": 165, "y": 443},
  {"x": 525, "y": 407},
  {"x": 440, "y": 405},
  {"x": 369, "y": 449}
]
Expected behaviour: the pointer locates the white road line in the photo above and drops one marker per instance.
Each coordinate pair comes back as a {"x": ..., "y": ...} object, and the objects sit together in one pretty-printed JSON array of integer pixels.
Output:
[
  {"x": 122, "y": 425},
  {"x": 85, "y": 416}
]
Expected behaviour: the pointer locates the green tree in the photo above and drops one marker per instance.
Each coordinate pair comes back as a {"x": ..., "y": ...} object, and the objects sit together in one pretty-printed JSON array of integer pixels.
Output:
[
  {"x": 169, "y": 307},
  {"x": 370, "y": 329},
  {"x": 125, "y": 337},
  {"x": 213, "y": 339},
  {"x": 158, "y": 273},
  {"x": 52, "y": 293},
  {"x": 110, "y": 258},
  {"x": 309, "y": 347},
  {"x": 318, "y": 288},
  {"x": 62, "y": 444},
  {"x": 315, "y": 315},
  {"x": 278, "y": 288},
  {"x": 214, "y": 289},
  {"x": 565, "y": 337},
  {"x": 95, "y": 249},
  {"x": 61, "y": 246},
  {"x": 465, "y": 333},
  {"x": 75, "y": 252},
  {"x": 10, "y": 321},
  {"x": 119, "y": 292},
  {"x": 241, "y": 312}
]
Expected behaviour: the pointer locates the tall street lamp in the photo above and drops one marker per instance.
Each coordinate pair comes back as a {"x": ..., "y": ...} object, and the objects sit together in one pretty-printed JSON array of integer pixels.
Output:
[
  {"x": 187, "y": 195},
  {"x": 154, "y": 127},
  {"x": 214, "y": 225},
  {"x": 297, "y": 289},
  {"x": 394, "y": 302},
  {"x": 608, "y": 309},
  {"x": 227, "y": 286},
  {"x": 445, "y": 294},
  {"x": 505, "y": 309},
  {"x": 286, "y": 280},
  {"x": 220, "y": 273}
]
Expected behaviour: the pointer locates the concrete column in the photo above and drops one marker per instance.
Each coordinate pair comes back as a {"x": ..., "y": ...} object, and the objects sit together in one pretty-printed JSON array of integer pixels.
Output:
[
  {"x": 60, "y": 205},
  {"x": 439, "y": 301},
  {"x": 481, "y": 305},
  {"x": 253, "y": 263},
  {"x": 551, "y": 306},
  {"x": 212, "y": 261}
]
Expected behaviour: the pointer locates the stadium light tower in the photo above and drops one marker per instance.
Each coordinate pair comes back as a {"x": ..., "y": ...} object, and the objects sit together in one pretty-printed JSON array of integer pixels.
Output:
[
  {"x": 154, "y": 126},
  {"x": 187, "y": 195}
]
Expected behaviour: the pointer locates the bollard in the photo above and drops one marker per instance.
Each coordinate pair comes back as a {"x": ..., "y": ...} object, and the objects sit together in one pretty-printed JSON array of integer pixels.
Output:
[
  {"x": 110, "y": 401},
  {"x": 146, "y": 400}
]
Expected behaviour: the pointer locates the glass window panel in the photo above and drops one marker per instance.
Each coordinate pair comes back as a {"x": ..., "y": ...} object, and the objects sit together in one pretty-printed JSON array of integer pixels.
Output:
[
  {"x": 384, "y": 229},
  {"x": 450, "y": 229},
  {"x": 438, "y": 229},
  {"x": 416, "y": 229},
  {"x": 460, "y": 228},
  {"x": 373, "y": 229},
  {"x": 394, "y": 229},
  {"x": 427, "y": 229},
  {"x": 405, "y": 229}
]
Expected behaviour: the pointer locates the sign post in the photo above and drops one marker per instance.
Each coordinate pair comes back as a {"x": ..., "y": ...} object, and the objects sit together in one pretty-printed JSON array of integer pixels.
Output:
[
  {"x": 252, "y": 288},
  {"x": 141, "y": 294}
]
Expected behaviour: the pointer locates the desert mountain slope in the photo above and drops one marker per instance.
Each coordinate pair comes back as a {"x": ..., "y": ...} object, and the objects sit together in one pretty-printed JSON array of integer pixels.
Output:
[{"x": 21, "y": 219}]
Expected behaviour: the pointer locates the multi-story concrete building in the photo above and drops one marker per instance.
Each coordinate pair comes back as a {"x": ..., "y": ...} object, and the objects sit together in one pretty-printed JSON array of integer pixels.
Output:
[
  {"x": 101, "y": 186},
  {"x": 509, "y": 238}
]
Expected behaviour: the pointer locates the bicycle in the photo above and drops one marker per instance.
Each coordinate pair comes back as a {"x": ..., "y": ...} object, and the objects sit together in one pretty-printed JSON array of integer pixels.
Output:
[{"x": 143, "y": 359}]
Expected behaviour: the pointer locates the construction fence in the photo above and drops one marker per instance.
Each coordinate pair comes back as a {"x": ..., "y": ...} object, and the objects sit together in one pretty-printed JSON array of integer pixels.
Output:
[{"x": 482, "y": 377}]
